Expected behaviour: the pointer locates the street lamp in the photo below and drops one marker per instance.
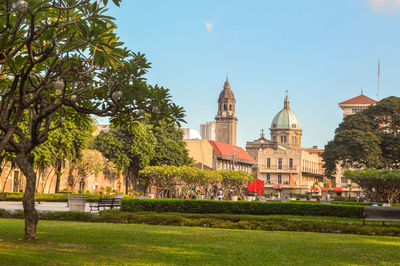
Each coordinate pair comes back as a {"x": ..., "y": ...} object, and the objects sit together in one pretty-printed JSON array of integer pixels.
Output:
[{"x": 234, "y": 157}]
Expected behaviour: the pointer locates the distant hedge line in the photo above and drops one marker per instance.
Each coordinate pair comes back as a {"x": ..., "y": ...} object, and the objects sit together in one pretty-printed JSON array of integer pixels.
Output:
[
  {"x": 54, "y": 197},
  {"x": 240, "y": 207}
]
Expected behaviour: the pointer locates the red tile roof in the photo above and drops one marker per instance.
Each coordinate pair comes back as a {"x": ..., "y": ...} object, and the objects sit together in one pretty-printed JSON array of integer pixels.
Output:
[
  {"x": 360, "y": 99},
  {"x": 230, "y": 150}
]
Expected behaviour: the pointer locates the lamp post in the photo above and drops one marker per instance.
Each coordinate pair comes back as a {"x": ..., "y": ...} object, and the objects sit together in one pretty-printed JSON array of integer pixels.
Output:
[{"x": 234, "y": 158}]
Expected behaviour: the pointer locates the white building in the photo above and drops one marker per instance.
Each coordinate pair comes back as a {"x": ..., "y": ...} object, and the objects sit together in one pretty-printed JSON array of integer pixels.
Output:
[{"x": 207, "y": 130}]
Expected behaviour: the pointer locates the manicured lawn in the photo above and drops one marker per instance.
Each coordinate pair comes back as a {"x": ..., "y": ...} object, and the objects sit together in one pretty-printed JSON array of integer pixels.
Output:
[{"x": 105, "y": 243}]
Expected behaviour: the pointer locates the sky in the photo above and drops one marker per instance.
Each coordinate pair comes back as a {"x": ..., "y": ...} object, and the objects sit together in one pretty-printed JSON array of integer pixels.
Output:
[{"x": 322, "y": 52}]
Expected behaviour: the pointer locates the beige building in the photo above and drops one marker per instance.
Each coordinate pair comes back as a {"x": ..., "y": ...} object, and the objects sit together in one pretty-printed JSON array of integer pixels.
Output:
[
  {"x": 283, "y": 165},
  {"x": 12, "y": 180}
]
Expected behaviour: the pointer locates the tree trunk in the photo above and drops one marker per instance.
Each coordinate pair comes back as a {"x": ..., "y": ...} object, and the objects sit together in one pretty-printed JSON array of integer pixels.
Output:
[
  {"x": 30, "y": 213},
  {"x": 6, "y": 178},
  {"x": 58, "y": 175}
]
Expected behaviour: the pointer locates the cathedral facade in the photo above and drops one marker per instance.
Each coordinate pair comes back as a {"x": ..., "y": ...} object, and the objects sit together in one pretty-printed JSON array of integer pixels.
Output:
[{"x": 282, "y": 164}]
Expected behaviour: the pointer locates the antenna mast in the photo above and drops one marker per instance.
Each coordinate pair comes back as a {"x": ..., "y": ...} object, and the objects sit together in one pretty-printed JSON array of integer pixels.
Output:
[{"x": 379, "y": 76}]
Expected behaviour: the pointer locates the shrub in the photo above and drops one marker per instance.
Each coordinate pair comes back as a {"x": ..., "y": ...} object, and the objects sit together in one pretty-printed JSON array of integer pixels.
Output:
[
  {"x": 240, "y": 207},
  {"x": 55, "y": 197},
  {"x": 352, "y": 199},
  {"x": 227, "y": 221}
]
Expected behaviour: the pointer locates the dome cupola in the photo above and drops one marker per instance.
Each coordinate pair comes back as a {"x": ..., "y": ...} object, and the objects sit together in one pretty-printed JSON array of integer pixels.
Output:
[
  {"x": 226, "y": 93},
  {"x": 286, "y": 118}
]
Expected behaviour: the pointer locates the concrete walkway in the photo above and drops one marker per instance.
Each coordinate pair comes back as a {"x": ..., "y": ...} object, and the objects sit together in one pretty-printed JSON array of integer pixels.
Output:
[{"x": 43, "y": 206}]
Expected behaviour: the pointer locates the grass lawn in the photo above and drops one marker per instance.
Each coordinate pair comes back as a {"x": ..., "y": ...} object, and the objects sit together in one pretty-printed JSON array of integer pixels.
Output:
[{"x": 106, "y": 243}]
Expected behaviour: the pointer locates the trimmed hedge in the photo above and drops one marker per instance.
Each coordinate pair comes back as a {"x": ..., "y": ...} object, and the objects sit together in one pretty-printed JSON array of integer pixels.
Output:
[
  {"x": 240, "y": 207},
  {"x": 226, "y": 221},
  {"x": 55, "y": 197}
]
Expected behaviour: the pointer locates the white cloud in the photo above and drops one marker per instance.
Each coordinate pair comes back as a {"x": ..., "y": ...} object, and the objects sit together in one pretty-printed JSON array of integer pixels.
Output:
[
  {"x": 209, "y": 26},
  {"x": 383, "y": 5}
]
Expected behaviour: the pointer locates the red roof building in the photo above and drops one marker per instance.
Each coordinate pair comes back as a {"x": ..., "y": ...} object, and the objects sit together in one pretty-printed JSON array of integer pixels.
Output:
[
  {"x": 360, "y": 99},
  {"x": 228, "y": 150},
  {"x": 219, "y": 156},
  {"x": 356, "y": 104}
]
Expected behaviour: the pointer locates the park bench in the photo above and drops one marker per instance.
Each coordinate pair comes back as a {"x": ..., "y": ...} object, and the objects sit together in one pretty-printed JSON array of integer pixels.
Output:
[
  {"x": 3, "y": 196},
  {"x": 104, "y": 203},
  {"x": 376, "y": 213}
]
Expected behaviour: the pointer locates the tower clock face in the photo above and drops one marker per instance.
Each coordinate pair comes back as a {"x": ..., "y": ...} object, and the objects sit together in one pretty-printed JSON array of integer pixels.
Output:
[{"x": 223, "y": 114}]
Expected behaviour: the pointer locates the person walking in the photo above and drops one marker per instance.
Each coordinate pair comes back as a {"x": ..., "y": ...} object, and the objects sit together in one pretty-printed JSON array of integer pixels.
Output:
[{"x": 220, "y": 195}]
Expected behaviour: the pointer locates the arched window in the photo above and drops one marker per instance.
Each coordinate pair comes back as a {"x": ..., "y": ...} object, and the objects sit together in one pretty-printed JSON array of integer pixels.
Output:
[{"x": 224, "y": 107}]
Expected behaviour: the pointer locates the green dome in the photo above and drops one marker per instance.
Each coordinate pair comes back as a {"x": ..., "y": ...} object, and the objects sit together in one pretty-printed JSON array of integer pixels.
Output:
[{"x": 286, "y": 118}]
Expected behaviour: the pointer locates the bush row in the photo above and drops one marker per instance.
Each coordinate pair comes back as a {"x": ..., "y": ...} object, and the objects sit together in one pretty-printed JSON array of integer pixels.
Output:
[
  {"x": 240, "y": 207},
  {"x": 227, "y": 221},
  {"x": 54, "y": 197}
]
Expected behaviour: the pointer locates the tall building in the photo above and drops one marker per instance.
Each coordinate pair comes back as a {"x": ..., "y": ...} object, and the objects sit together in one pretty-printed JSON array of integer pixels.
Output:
[
  {"x": 356, "y": 104},
  {"x": 207, "y": 130},
  {"x": 226, "y": 121}
]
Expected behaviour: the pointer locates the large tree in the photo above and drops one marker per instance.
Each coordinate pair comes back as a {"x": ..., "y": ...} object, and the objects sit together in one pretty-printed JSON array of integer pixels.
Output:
[
  {"x": 138, "y": 145},
  {"x": 129, "y": 149},
  {"x": 62, "y": 58},
  {"x": 368, "y": 139},
  {"x": 380, "y": 185}
]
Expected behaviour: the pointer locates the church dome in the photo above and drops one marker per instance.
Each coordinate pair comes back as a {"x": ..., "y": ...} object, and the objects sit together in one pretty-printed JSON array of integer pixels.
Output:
[
  {"x": 286, "y": 118},
  {"x": 226, "y": 93}
]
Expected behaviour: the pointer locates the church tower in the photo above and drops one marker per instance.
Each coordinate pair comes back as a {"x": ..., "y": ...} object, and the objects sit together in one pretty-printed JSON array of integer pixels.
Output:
[{"x": 226, "y": 121}]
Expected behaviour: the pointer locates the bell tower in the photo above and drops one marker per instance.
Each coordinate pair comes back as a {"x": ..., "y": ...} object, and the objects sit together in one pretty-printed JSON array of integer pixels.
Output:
[{"x": 226, "y": 121}]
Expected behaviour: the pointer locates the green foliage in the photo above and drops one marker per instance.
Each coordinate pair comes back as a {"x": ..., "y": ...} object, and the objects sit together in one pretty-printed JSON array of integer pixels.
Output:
[
  {"x": 170, "y": 148},
  {"x": 56, "y": 197},
  {"x": 367, "y": 139},
  {"x": 194, "y": 180},
  {"x": 381, "y": 185},
  {"x": 137, "y": 145},
  {"x": 240, "y": 207}
]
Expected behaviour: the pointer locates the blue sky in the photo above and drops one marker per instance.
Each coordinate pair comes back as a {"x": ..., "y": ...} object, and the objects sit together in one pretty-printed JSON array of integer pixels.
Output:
[{"x": 323, "y": 52}]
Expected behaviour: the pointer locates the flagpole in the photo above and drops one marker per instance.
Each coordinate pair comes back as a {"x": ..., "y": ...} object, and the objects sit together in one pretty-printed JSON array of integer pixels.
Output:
[{"x": 379, "y": 76}]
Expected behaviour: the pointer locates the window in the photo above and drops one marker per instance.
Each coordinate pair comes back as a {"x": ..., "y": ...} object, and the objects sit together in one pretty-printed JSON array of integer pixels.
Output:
[
  {"x": 279, "y": 179},
  {"x": 230, "y": 107},
  {"x": 279, "y": 163},
  {"x": 344, "y": 180},
  {"x": 283, "y": 139},
  {"x": 273, "y": 138},
  {"x": 268, "y": 162},
  {"x": 290, "y": 163},
  {"x": 224, "y": 107},
  {"x": 268, "y": 178},
  {"x": 293, "y": 125},
  {"x": 273, "y": 125}
]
